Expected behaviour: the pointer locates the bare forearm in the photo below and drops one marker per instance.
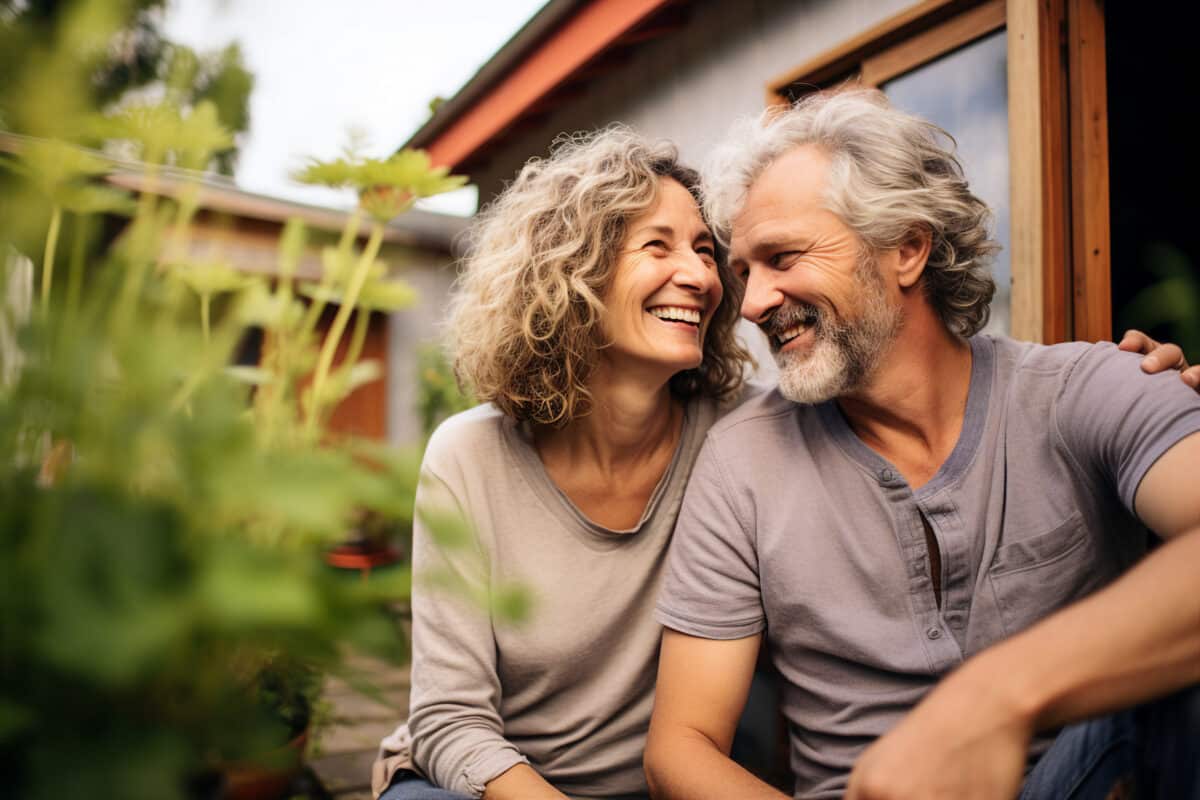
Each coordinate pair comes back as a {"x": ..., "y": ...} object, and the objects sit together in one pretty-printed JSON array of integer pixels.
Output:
[
  {"x": 1135, "y": 640},
  {"x": 521, "y": 783},
  {"x": 685, "y": 765}
]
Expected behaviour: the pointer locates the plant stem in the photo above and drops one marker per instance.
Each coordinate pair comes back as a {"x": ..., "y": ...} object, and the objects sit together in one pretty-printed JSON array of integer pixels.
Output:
[
  {"x": 79, "y": 239},
  {"x": 48, "y": 259},
  {"x": 142, "y": 243},
  {"x": 362, "y": 322},
  {"x": 205, "y": 302},
  {"x": 349, "y": 299},
  {"x": 345, "y": 246}
]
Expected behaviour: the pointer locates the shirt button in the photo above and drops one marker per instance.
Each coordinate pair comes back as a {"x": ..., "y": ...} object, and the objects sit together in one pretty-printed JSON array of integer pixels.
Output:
[
  {"x": 934, "y": 633},
  {"x": 886, "y": 476}
]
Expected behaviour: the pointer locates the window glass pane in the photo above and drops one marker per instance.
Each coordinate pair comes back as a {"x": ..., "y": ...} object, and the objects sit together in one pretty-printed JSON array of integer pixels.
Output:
[{"x": 966, "y": 92}]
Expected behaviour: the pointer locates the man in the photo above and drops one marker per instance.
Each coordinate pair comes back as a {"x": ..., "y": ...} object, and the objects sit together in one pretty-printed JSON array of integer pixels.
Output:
[{"x": 936, "y": 530}]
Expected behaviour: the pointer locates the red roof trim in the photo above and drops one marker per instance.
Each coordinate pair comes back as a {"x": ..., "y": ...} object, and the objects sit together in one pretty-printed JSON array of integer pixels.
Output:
[{"x": 588, "y": 33}]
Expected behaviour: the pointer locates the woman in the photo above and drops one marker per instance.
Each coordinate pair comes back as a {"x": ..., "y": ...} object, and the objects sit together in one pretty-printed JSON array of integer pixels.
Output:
[{"x": 591, "y": 317}]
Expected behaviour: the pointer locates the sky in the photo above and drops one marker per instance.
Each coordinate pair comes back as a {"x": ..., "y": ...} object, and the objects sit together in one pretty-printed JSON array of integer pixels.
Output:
[{"x": 324, "y": 69}]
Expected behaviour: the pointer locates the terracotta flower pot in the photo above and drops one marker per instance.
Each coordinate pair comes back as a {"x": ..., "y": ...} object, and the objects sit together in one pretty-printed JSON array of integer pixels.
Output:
[{"x": 271, "y": 777}]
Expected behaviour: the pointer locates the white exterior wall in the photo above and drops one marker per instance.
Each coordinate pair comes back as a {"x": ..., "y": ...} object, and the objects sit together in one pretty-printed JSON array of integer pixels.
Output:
[{"x": 408, "y": 331}]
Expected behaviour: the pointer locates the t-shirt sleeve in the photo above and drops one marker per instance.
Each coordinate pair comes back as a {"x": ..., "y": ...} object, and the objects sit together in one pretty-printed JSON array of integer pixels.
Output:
[
  {"x": 711, "y": 586},
  {"x": 1117, "y": 421},
  {"x": 457, "y": 733}
]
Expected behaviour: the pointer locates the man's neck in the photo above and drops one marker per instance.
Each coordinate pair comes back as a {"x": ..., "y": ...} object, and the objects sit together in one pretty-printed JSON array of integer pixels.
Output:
[{"x": 912, "y": 410}]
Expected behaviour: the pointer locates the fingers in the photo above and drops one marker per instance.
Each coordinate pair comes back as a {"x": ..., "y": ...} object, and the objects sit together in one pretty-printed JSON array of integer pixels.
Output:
[
  {"x": 1191, "y": 376},
  {"x": 1164, "y": 357},
  {"x": 1134, "y": 341}
]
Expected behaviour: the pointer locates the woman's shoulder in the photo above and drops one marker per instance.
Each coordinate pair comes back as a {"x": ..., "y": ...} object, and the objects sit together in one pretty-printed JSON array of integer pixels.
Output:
[{"x": 468, "y": 436}]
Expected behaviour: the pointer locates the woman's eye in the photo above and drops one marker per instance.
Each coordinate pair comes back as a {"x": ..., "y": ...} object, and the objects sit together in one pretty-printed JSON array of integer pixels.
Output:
[
  {"x": 657, "y": 244},
  {"x": 707, "y": 250}
]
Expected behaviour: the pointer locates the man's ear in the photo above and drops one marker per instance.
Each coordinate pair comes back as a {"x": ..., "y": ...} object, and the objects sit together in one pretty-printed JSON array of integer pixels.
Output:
[{"x": 912, "y": 254}]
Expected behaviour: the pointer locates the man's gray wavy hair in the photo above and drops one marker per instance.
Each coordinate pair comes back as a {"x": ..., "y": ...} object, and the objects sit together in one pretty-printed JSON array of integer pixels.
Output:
[{"x": 891, "y": 174}]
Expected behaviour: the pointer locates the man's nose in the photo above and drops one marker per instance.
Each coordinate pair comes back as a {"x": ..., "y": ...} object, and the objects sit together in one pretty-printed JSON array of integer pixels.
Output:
[{"x": 761, "y": 297}]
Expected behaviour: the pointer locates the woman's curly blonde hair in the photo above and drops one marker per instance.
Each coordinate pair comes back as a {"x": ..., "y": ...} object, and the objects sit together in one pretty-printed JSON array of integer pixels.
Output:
[{"x": 525, "y": 318}]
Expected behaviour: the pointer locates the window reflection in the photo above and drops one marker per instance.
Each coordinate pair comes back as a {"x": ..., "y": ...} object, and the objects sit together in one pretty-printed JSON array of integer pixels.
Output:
[{"x": 966, "y": 92}]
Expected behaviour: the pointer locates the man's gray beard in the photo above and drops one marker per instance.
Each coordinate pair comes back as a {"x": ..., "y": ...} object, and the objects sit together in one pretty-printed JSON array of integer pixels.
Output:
[{"x": 845, "y": 353}]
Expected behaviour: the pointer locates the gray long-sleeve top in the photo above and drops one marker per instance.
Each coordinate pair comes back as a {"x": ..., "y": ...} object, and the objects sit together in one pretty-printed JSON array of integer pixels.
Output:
[{"x": 570, "y": 690}]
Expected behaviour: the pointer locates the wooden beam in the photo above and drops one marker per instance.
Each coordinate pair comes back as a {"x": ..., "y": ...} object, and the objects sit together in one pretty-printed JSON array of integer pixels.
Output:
[
  {"x": 933, "y": 43},
  {"x": 1039, "y": 191},
  {"x": 843, "y": 60},
  {"x": 593, "y": 29},
  {"x": 1091, "y": 241}
]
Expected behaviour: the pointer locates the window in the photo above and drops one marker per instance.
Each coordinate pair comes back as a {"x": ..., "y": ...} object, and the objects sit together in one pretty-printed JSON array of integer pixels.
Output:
[{"x": 1016, "y": 84}]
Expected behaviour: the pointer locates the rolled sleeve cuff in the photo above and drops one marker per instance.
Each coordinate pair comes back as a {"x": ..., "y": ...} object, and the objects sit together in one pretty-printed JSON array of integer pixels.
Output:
[
  {"x": 482, "y": 770},
  {"x": 725, "y": 630}
]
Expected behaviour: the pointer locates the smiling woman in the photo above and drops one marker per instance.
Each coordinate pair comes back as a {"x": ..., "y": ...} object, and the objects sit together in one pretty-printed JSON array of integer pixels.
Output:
[
  {"x": 591, "y": 318},
  {"x": 527, "y": 322}
]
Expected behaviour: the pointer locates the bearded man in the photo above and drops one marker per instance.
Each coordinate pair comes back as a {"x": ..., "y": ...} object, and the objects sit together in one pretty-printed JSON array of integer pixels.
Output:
[{"x": 941, "y": 534}]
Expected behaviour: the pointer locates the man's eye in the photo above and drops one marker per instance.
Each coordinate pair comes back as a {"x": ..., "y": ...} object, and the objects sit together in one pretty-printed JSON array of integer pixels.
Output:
[{"x": 785, "y": 259}]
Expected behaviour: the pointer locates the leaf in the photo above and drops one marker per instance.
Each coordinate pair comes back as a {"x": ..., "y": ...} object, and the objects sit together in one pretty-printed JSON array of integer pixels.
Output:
[
  {"x": 387, "y": 187},
  {"x": 291, "y": 247},
  {"x": 337, "y": 174},
  {"x": 91, "y": 199},
  {"x": 393, "y": 295},
  {"x": 339, "y": 266},
  {"x": 212, "y": 277},
  {"x": 161, "y": 129},
  {"x": 272, "y": 310},
  {"x": 343, "y": 382}
]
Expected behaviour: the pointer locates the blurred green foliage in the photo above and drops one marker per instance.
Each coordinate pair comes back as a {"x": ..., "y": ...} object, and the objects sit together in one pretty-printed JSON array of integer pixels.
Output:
[
  {"x": 438, "y": 392},
  {"x": 163, "y": 605},
  {"x": 119, "y": 45},
  {"x": 1170, "y": 306}
]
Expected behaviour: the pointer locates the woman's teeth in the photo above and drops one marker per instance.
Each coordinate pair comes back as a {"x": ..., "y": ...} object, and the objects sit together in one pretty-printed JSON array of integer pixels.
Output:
[{"x": 677, "y": 314}]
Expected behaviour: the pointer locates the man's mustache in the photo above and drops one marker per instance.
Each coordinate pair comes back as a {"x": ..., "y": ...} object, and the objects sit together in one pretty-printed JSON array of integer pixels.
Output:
[{"x": 789, "y": 316}]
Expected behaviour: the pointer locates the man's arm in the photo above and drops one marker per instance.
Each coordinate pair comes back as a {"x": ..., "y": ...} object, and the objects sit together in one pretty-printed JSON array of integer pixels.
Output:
[
  {"x": 702, "y": 688},
  {"x": 1135, "y": 640}
]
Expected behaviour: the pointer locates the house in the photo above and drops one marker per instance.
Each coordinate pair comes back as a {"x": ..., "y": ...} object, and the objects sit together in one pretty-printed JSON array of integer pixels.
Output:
[
  {"x": 243, "y": 228},
  {"x": 1064, "y": 111}
]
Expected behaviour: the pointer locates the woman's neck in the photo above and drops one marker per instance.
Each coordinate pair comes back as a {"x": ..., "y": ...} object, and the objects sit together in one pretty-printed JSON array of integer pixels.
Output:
[{"x": 609, "y": 461}]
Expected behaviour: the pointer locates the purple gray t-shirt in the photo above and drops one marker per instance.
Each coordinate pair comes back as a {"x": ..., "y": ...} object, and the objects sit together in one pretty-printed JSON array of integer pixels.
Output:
[{"x": 793, "y": 526}]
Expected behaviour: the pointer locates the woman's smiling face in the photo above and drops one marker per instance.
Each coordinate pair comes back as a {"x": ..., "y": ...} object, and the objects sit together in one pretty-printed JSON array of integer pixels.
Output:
[{"x": 665, "y": 289}]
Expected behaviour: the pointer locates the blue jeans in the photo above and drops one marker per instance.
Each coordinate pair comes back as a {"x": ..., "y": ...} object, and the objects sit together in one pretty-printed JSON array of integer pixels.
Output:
[
  {"x": 407, "y": 785},
  {"x": 1154, "y": 749}
]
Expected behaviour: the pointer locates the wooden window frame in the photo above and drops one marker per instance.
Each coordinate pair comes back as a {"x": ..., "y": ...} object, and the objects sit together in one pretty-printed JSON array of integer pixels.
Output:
[{"x": 1058, "y": 140}]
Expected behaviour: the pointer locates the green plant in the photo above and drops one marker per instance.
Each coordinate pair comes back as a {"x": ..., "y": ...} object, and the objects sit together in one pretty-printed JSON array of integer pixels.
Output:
[
  {"x": 1170, "y": 306},
  {"x": 438, "y": 392},
  {"x": 163, "y": 606}
]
